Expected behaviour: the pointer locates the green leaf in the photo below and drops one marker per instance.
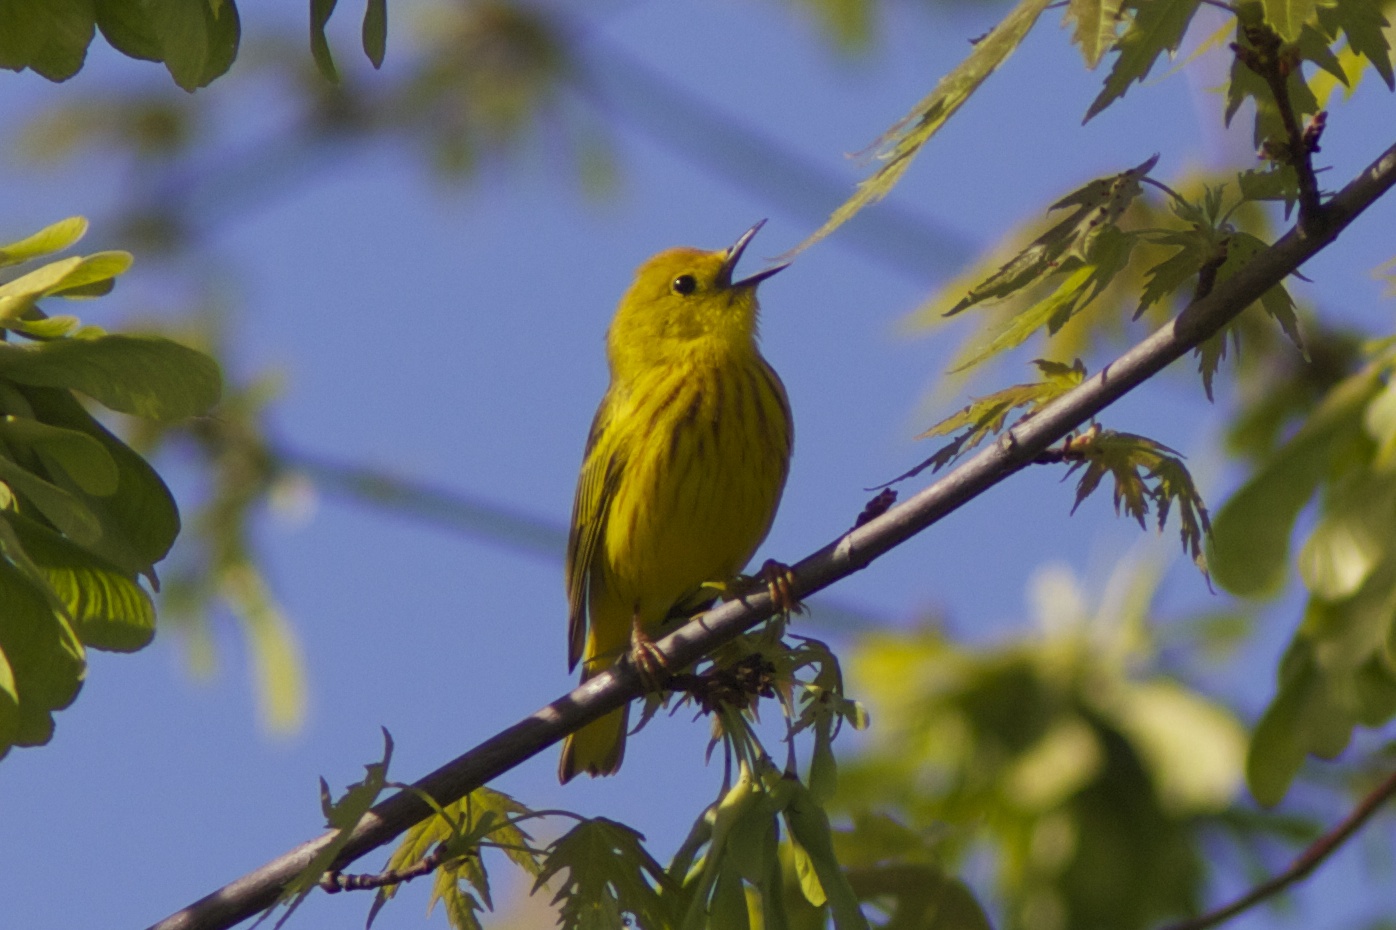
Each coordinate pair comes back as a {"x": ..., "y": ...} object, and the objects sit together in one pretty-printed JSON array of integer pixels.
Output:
[
  {"x": 1108, "y": 256},
  {"x": 81, "y": 457},
  {"x": 986, "y": 416},
  {"x": 728, "y": 906},
  {"x": 1249, "y": 546},
  {"x": 1364, "y": 25},
  {"x": 1314, "y": 46},
  {"x": 1379, "y": 422},
  {"x": 46, "y": 661},
  {"x": 1088, "y": 236},
  {"x": 50, "y": 37},
  {"x": 1241, "y": 248},
  {"x": 1147, "y": 474},
  {"x": 146, "y": 376},
  {"x": 1052, "y": 313},
  {"x": 1343, "y": 550},
  {"x": 899, "y": 145},
  {"x": 108, "y": 607},
  {"x": 46, "y": 241},
  {"x": 1275, "y": 182},
  {"x": 13, "y": 552},
  {"x": 608, "y": 875},
  {"x": 93, "y": 275},
  {"x": 1288, "y": 17},
  {"x": 809, "y": 827},
  {"x": 130, "y": 29},
  {"x": 320, "y": 13},
  {"x": 9, "y": 705},
  {"x": 183, "y": 27},
  {"x": 139, "y": 522},
  {"x": 65, "y": 511},
  {"x": 1097, "y": 26},
  {"x": 1156, "y": 26},
  {"x": 376, "y": 31},
  {"x": 68, "y": 277},
  {"x": 342, "y": 816},
  {"x": 484, "y": 815},
  {"x": 198, "y": 38},
  {"x": 37, "y": 325},
  {"x": 1302, "y": 716},
  {"x": 19, "y": 295}
]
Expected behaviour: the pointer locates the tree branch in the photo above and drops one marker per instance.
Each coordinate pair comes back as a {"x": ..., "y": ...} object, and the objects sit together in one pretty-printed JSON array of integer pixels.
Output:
[
  {"x": 1310, "y": 859},
  {"x": 849, "y": 553}
]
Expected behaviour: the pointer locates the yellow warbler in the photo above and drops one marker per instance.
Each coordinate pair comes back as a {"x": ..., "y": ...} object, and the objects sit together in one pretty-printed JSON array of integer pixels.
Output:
[{"x": 683, "y": 468}]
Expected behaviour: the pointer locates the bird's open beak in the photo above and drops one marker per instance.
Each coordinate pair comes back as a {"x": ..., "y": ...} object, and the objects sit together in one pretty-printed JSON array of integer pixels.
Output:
[{"x": 734, "y": 254}]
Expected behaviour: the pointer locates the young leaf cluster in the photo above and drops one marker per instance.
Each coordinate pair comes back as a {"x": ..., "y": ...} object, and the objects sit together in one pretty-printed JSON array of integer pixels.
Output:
[
  {"x": 739, "y": 859},
  {"x": 82, "y": 516},
  {"x": 1148, "y": 476},
  {"x": 455, "y": 837},
  {"x": 760, "y": 855},
  {"x": 1113, "y": 246},
  {"x": 986, "y": 416},
  {"x": 1341, "y": 37}
]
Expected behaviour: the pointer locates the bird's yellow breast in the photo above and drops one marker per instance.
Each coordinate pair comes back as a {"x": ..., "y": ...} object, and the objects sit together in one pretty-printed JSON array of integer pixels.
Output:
[{"x": 697, "y": 492}]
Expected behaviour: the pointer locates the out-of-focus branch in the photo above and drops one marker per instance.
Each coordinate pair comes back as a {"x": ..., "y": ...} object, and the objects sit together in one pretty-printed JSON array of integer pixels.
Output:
[
  {"x": 840, "y": 558},
  {"x": 491, "y": 522}
]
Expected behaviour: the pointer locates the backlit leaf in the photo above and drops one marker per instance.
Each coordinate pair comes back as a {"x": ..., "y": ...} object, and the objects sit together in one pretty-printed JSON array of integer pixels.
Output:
[
  {"x": 54, "y": 238},
  {"x": 1287, "y": 17},
  {"x": 1156, "y": 26},
  {"x": 46, "y": 661},
  {"x": 108, "y": 607},
  {"x": 899, "y": 145},
  {"x": 1097, "y": 24}
]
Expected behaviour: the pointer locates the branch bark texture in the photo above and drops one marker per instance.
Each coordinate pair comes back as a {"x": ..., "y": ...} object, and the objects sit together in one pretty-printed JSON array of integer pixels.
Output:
[{"x": 853, "y": 551}]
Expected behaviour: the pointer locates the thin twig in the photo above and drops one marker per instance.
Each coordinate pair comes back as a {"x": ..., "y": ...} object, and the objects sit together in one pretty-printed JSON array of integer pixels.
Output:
[
  {"x": 333, "y": 881},
  {"x": 1310, "y": 859},
  {"x": 849, "y": 553},
  {"x": 1267, "y": 57}
]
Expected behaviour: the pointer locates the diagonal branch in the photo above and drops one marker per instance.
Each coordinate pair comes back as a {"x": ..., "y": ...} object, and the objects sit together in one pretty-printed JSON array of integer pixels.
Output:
[
  {"x": 1310, "y": 859},
  {"x": 845, "y": 555}
]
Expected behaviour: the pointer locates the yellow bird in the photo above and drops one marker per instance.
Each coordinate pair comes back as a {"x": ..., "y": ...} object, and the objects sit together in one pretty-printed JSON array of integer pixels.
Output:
[{"x": 683, "y": 468}]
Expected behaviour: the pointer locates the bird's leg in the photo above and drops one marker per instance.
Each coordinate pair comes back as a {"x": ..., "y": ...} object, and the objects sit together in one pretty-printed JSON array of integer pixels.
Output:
[{"x": 645, "y": 656}]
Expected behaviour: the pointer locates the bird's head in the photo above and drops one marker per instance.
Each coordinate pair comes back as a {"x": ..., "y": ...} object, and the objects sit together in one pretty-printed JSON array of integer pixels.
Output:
[{"x": 686, "y": 300}]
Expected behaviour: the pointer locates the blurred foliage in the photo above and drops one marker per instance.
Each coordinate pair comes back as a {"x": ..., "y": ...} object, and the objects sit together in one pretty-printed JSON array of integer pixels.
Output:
[
  {"x": 196, "y": 40},
  {"x": 217, "y": 564},
  {"x": 1340, "y": 669},
  {"x": 1077, "y": 766},
  {"x": 82, "y": 516}
]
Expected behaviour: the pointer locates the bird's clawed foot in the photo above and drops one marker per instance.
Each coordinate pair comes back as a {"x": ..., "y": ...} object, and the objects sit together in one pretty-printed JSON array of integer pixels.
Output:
[
  {"x": 648, "y": 661},
  {"x": 780, "y": 585}
]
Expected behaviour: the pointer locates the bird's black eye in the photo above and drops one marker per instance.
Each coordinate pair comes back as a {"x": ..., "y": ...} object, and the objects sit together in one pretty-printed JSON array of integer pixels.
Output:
[{"x": 684, "y": 284}]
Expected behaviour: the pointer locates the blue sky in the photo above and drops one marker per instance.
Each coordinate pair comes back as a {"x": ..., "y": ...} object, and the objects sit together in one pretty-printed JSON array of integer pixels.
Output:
[{"x": 452, "y": 333}]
